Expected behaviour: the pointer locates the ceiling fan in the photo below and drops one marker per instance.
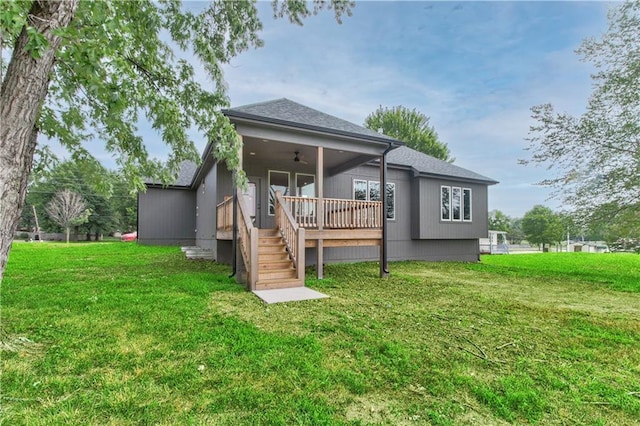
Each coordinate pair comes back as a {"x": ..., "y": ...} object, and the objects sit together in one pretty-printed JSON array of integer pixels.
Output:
[{"x": 299, "y": 158}]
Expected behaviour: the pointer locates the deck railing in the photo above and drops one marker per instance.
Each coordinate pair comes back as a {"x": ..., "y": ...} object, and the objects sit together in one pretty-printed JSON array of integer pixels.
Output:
[
  {"x": 292, "y": 233},
  {"x": 338, "y": 213},
  {"x": 247, "y": 234},
  {"x": 224, "y": 215}
]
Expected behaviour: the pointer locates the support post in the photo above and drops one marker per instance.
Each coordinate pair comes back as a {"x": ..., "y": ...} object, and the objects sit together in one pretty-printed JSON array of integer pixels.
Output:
[
  {"x": 320, "y": 211},
  {"x": 235, "y": 247},
  {"x": 384, "y": 265}
]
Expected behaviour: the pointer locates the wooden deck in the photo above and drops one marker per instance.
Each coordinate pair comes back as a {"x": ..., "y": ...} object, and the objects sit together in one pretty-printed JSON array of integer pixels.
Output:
[{"x": 275, "y": 258}]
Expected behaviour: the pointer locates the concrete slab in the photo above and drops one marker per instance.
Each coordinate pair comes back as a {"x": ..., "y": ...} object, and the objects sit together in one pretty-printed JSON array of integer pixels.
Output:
[{"x": 294, "y": 294}]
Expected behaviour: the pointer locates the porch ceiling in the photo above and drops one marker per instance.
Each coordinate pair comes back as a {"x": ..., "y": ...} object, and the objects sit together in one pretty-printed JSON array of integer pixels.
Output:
[{"x": 280, "y": 155}]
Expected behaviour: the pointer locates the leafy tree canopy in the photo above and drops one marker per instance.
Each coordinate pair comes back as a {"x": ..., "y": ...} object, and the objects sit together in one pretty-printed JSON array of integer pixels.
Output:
[
  {"x": 122, "y": 61},
  {"x": 91, "y": 70},
  {"x": 595, "y": 158},
  {"x": 498, "y": 221},
  {"x": 542, "y": 226},
  {"x": 411, "y": 127},
  {"x": 112, "y": 207}
]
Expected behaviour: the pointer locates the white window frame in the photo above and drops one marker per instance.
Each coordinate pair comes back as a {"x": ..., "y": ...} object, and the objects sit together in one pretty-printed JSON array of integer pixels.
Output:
[
  {"x": 470, "y": 219},
  {"x": 442, "y": 218},
  {"x": 368, "y": 185},
  {"x": 271, "y": 202},
  {"x": 353, "y": 188},
  {"x": 314, "y": 183},
  {"x": 393, "y": 211},
  {"x": 456, "y": 190}
]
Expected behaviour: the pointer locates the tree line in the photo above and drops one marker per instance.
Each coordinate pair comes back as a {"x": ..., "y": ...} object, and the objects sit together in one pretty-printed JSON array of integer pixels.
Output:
[
  {"x": 83, "y": 196},
  {"x": 541, "y": 226}
]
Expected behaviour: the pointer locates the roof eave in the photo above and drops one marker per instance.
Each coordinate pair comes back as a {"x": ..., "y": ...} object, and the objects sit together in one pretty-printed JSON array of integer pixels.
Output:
[{"x": 291, "y": 124}]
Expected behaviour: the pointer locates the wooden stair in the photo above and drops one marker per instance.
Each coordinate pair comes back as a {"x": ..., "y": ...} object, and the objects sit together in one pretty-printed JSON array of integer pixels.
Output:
[{"x": 275, "y": 268}]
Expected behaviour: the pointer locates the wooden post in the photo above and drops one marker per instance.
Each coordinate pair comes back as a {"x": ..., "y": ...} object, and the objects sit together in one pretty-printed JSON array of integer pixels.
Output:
[
  {"x": 301, "y": 254},
  {"x": 253, "y": 267},
  {"x": 320, "y": 212}
]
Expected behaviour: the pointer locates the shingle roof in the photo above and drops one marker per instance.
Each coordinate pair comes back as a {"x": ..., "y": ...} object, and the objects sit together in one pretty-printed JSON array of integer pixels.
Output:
[
  {"x": 288, "y": 112},
  {"x": 431, "y": 166},
  {"x": 185, "y": 175}
]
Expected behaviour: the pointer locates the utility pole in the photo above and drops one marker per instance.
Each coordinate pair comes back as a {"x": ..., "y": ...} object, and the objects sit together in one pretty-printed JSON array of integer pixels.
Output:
[{"x": 35, "y": 214}]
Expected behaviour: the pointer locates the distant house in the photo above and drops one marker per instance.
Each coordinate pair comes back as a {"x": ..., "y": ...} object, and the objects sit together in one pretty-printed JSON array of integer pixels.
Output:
[{"x": 315, "y": 196}]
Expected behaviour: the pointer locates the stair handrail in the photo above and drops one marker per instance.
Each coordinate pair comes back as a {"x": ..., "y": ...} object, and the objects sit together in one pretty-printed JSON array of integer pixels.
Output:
[
  {"x": 225, "y": 214},
  {"x": 292, "y": 234},
  {"x": 248, "y": 241}
]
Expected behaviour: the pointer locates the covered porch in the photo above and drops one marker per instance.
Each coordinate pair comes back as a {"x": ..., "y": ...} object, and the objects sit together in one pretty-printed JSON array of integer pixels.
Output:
[{"x": 289, "y": 154}]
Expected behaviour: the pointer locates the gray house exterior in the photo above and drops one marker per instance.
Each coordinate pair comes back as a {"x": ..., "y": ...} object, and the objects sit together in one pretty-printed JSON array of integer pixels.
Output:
[{"x": 316, "y": 179}]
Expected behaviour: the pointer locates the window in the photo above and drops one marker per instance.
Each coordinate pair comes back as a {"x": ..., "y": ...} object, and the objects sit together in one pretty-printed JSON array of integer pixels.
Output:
[
  {"x": 456, "y": 208},
  {"x": 466, "y": 203},
  {"x": 278, "y": 181},
  {"x": 370, "y": 191},
  {"x": 360, "y": 190},
  {"x": 374, "y": 191},
  {"x": 305, "y": 185},
  {"x": 391, "y": 200},
  {"x": 445, "y": 197},
  {"x": 305, "y": 188},
  {"x": 455, "y": 204}
]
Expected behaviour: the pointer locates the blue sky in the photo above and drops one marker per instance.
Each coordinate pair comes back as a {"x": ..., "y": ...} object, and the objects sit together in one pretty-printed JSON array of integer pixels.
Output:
[{"x": 475, "y": 68}]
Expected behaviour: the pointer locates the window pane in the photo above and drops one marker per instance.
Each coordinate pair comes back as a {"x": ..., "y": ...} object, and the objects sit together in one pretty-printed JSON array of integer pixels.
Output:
[
  {"x": 391, "y": 200},
  {"x": 456, "y": 203},
  {"x": 278, "y": 181},
  {"x": 374, "y": 191},
  {"x": 445, "y": 197},
  {"x": 360, "y": 190},
  {"x": 305, "y": 211},
  {"x": 305, "y": 185},
  {"x": 466, "y": 203}
]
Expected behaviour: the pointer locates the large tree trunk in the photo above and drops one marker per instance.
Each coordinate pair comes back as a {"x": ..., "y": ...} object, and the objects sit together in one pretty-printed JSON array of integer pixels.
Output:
[{"x": 23, "y": 90}]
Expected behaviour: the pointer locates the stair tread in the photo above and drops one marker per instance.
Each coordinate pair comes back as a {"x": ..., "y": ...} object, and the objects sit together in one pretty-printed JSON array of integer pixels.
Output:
[{"x": 277, "y": 280}]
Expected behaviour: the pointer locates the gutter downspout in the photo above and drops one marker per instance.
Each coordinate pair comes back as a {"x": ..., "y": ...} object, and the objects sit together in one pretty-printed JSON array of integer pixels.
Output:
[
  {"x": 384, "y": 266},
  {"x": 234, "y": 237}
]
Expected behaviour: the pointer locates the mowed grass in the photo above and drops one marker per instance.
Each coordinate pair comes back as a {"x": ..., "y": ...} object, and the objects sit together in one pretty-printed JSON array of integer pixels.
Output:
[{"x": 126, "y": 334}]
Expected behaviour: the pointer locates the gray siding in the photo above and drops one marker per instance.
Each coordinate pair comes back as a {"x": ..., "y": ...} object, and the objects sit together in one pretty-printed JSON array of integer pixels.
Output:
[
  {"x": 166, "y": 216},
  {"x": 429, "y": 226},
  {"x": 206, "y": 211},
  {"x": 429, "y": 250},
  {"x": 416, "y": 233}
]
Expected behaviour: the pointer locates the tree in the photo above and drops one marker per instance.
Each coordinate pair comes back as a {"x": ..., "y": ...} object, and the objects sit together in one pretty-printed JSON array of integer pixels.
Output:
[
  {"x": 67, "y": 208},
  {"x": 410, "y": 127},
  {"x": 89, "y": 70},
  {"x": 498, "y": 221},
  {"x": 80, "y": 177},
  {"x": 596, "y": 157},
  {"x": 516, "y": 234},
  {"x": 615, "y": 228},
  {"x": 542, "y": 226}
]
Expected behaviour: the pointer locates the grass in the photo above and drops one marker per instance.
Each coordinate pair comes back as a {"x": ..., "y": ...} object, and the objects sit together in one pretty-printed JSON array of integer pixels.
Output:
[{"x": 126, "y": 334}]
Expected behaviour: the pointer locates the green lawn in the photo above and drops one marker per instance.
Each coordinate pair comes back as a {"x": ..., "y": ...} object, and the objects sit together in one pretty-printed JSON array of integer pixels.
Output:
[{"x": 125, "y": 334}]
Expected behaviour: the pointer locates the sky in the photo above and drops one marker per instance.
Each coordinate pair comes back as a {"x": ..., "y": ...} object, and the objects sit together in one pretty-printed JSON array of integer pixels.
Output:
[{"x": 475, "y": 68}]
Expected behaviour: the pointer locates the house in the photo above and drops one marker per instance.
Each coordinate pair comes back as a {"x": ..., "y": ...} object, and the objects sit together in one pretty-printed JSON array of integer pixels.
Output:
[{"x": 315, "y": 196}]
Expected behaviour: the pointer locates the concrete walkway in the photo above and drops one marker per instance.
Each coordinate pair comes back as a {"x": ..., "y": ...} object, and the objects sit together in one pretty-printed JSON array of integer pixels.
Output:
[{"x": 294, "y": 294}]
